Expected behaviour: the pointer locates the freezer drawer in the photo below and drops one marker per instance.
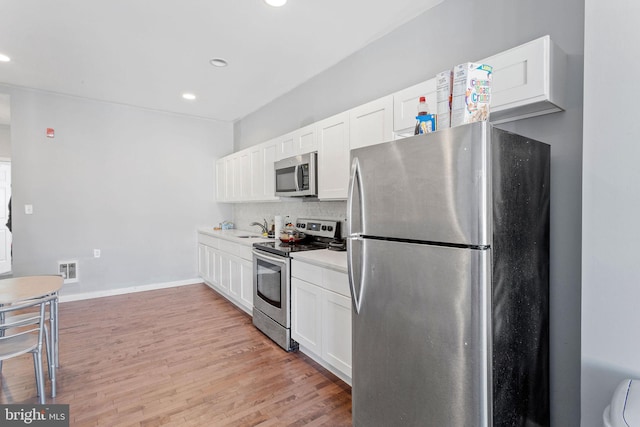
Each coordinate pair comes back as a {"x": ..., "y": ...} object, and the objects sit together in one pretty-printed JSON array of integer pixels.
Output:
[{"x": 421, "y": 348}]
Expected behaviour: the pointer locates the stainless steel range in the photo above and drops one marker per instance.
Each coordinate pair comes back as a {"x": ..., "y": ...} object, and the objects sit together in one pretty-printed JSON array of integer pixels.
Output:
[{"x": 272, "y": 277}]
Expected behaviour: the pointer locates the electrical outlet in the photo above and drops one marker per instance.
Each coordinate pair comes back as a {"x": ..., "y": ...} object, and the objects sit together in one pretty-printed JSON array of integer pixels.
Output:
[{"x": 96, "y": 253}]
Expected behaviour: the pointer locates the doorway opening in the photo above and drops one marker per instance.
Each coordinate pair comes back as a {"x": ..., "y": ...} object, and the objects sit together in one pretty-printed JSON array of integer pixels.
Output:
[{"x": 6, "y": 236}]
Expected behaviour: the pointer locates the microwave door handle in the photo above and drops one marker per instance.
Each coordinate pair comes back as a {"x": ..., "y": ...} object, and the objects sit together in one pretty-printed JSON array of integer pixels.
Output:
[
  {"x": 296, "y": 180},
  {"x": 299, "y": 179}
]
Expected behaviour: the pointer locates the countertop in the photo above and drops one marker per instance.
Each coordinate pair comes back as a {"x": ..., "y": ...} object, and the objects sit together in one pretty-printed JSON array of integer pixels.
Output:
[
  {"x": 335, "y": 260},
  {"x": 233, "y": 235}
]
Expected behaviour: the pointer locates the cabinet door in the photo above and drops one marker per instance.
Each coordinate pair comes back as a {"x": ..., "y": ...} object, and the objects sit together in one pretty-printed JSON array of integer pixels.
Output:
[
  {"x": 203, "y": 262},
  {"x": 221, "y": 189},
  {"x": 256, "y": 173},
  {"x": 336, "y": 332},
  {"x": 215, "y": 265},
  {"x": 286, "y": 146},
  {"x": 225, "y": 273},
  {"x": 262, "y": 175},
  {"x": 245, "y": 176},
  {"x": 333, "y": 157},
  {"x": 306, "y": 321},
  {"x": 371, "y": 123},
  {"x": 269, "y": 154},
  {"x": 305, "y": 140},
  {"x": 246, "y": 284},
  {"x": 229, "y": 177},
  {"x": 405, "y": 106},
  {"x": 527, "y": 80},
  {"x": 235, "y": 278}
]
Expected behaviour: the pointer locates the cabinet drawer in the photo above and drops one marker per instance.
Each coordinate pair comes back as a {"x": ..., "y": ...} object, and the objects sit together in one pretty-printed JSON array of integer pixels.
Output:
[
  {"x": 205, "y": 239},
  {"x": 324, "y": 277},
  {"x": 240, "y": 251},
  {"x": 336, "y": 282},
  {"x": 307, "y": 272}
]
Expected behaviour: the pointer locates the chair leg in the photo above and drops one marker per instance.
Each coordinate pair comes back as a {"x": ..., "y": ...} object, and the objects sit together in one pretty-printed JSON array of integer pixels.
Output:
[
  {"x": 47, "y": 342},
  {"x": 37, "y": 358},
  {"x": 35, "y": 370},
  {"x": 51, "y": 365}
]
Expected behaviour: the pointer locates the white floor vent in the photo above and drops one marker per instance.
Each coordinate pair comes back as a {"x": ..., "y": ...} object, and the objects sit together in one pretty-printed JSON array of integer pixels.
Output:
[{"x": 68, "y": 270}]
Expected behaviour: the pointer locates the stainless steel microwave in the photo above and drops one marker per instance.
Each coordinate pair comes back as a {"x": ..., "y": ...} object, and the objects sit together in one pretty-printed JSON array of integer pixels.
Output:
[{"x": 297, "y": 176}]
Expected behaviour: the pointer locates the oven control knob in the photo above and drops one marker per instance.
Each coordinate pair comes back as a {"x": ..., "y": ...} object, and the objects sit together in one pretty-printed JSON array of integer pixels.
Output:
[
  {"x": 302, "y": 225},
  {"x": 324, "y": 228},
  {"x": 330, "y": 228}
]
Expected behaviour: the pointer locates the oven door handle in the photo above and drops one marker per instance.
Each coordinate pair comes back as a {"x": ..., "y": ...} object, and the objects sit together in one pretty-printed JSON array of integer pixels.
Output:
[{"x": 263, "y": 255}]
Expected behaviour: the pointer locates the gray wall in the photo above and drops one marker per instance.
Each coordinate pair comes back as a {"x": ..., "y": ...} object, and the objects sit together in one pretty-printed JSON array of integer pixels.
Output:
[
  {"x": 134, "y": 183},
  {"x": 5, "y": 141},
  {"x": 611, "y": 205},
  {"x": 457, "y": 31}
]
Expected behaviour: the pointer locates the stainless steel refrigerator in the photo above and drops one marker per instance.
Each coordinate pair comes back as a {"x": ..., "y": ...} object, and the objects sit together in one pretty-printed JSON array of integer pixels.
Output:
[{"x": 448, "y": 257}]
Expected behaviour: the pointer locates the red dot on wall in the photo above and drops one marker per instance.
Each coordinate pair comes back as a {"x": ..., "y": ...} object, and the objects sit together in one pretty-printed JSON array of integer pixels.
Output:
[{"x": 51, "y": 133}]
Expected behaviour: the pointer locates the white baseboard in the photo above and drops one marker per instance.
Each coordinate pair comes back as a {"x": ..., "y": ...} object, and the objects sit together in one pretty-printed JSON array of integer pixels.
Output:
[{"x": 120, "y": 291}]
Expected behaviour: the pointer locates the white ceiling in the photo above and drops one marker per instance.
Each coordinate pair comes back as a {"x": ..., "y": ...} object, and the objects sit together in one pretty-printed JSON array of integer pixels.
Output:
[{"x": 148, "y": 52}]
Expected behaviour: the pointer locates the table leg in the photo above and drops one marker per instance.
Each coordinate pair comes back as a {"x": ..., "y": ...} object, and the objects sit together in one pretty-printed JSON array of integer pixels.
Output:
[{"x": 54, "y": 362}]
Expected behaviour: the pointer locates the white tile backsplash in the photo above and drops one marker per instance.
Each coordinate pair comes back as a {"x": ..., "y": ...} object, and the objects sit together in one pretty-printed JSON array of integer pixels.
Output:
[{"x": 246, "y": 213}]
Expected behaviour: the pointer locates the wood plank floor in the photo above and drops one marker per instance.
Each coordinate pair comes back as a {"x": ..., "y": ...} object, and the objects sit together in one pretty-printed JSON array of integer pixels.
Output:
[{"x": 178, "y": 357}]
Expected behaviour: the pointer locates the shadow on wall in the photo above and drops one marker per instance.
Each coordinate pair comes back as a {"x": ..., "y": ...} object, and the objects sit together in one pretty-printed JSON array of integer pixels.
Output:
[{"x": 598, "y": 384}]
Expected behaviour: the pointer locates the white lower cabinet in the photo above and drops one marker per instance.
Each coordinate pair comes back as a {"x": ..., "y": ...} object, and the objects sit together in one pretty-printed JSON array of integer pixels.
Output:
[
  {"x": 228, "y": 268},
  {"x": 336, "y": 340},
  {"x": 306, "y": 320},
  {"x": 321, "y": 316}
]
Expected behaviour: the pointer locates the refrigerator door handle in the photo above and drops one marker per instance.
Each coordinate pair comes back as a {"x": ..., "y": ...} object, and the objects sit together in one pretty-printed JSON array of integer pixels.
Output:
[
  {"x": 354, "y": 202},
  {"x": 356, "y": 284},
  {"x": 355, "y": 242}
]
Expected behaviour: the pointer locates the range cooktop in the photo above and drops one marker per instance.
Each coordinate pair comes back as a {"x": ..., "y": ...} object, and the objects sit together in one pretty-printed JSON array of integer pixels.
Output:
[{"x": 319, "y": 233}]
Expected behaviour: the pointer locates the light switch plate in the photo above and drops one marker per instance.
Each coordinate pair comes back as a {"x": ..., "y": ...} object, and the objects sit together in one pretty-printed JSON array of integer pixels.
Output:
[{"x": 28, "y": 209}]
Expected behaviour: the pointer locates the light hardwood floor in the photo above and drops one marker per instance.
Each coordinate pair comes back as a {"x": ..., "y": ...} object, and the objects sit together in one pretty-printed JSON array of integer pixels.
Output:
[{"x": 183, "y": 357}]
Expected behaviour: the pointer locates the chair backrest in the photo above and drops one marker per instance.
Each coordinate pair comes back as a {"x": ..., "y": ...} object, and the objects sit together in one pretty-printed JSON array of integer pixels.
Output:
[{"x": 17, "y": 342}]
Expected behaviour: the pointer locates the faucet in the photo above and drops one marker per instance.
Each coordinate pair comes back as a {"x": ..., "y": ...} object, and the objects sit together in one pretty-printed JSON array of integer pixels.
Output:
[{"x": 265, "y": 227}]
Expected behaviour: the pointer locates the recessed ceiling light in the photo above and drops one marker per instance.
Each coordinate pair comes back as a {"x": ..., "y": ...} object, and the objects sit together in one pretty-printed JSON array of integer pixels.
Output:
[
  {"x": 189, "y": 96},
  {"x": 4, "y": 58},
  {"x": 276, "y": 3},
  {"x": 218, "y": 62}
]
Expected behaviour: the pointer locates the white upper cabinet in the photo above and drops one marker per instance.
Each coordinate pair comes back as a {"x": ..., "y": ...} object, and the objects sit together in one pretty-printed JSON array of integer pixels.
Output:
[
  {"x": 371, "y": 123},
  {"x": 221, "y": 189},
  {"x": 333, "y": 157},
  {"x": 244, "y": 175},
  {"x": 306, "y": 140},
  {"x": 247, "y": 175},
  {"x": 405, "y": 106},
  {"x": 262, "y": 176},
  {"x": 528, "y": 81},
  {"x": 269, "y": 153},
  {"x": 300, "y": 141},
  {"x": 285, "y": 146},
  {"x": 229, "y": 184}
]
